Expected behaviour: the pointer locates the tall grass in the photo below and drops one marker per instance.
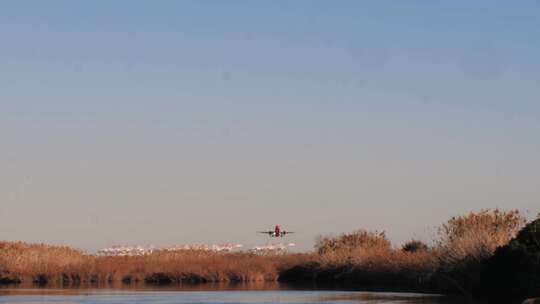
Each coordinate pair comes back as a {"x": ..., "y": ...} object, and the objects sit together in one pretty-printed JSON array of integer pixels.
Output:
[
  {"x": 476, "y": 235},
  {"x": 36, "y": 263},
  {"x": 466, "y": 242},
  {"x": 367, "y": 258},
  {"x": 40, "y": 263},
  {"x": 452, "y": 264}
]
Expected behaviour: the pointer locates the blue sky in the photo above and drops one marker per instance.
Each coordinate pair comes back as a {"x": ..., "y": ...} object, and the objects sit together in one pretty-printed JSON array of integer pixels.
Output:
[{"x": 211, "y": 119}]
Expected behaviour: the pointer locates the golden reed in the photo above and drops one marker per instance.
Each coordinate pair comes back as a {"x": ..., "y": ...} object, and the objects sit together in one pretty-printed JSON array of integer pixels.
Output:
[{"x": 359, "y": 257}]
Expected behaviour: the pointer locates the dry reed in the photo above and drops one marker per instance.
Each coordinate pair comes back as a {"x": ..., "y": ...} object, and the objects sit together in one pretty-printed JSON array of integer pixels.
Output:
[
  {"x": 453, "y": 265},
  {"x": 37, "y": 263},
  {"x": 361, "y": 257}
]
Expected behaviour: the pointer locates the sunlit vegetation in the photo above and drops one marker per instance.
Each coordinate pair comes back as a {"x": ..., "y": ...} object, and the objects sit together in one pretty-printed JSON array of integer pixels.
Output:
[
  {"x": 366, "y": 258},
  {"x": 514, "y": 270},
  {"x": 466, "y": 242},
  {"x": 20, "y": 262},
  {"x": 414, "y": 246},
  {"x": 455, "y": 262}
]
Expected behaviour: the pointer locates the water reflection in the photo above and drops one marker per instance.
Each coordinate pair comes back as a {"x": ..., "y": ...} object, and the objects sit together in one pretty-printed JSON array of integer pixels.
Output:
[
  {"x": 32, "y": 289},
  {"x": 385, "y": 297},
  {"x": 207, "y": 294}
]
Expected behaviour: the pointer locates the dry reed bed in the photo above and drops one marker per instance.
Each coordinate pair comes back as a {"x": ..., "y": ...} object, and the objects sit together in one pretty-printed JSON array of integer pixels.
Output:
[
  {"x": 452, "y": 263},
  {"x": 20, "y": 262}
]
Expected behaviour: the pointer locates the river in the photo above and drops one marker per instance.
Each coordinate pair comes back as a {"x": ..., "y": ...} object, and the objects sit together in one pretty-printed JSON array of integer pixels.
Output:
[{"x": 210, "y": 295}]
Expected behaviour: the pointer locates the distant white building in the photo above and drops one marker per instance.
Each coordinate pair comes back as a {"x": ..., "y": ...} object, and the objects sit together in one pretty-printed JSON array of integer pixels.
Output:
[
  {"x": 271, "y": 249},
  {"x": 145, "y": 250}
]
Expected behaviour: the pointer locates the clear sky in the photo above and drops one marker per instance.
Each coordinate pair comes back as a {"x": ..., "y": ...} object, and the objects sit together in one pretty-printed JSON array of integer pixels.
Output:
[{"x": 165, "y": 122}]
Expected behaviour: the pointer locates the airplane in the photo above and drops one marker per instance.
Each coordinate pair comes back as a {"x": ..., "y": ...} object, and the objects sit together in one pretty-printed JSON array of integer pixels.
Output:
[{"x": 277, "y": 232}]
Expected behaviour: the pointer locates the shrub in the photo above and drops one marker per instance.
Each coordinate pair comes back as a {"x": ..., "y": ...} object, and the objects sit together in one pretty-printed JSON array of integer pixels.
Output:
[
  {"x": 360, "y": 239},
  {"x": 414, "y": 246},
  {"x": 514, "y": 269},
  {"x": 367, "y": 258},
  {"x": 351, "y": 248},
  {"x": 466, "y": 242},
  {"x": 477, "y": 235}
]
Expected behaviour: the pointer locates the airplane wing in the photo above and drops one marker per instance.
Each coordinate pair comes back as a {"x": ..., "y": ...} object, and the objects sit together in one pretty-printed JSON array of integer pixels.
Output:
[
  {"x": 266, "y": 232},
  {"x": 286, "y": 232}
]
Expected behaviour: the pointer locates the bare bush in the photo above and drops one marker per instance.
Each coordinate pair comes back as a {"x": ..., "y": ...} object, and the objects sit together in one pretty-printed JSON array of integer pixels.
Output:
[
  {"x": 414, "y": 246},
  {"x": 476, "y": 236}
]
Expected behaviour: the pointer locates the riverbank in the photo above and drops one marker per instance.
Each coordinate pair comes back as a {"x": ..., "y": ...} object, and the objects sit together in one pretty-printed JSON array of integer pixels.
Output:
[
  {"x": 466, "y": 259},
  {"x": 479, "y": 255},
  {"x": 44, "y": 264}
]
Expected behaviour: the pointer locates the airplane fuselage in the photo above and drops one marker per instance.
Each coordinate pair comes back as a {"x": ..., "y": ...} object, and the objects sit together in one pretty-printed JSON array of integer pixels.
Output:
[{"x": 277, "y": 232}]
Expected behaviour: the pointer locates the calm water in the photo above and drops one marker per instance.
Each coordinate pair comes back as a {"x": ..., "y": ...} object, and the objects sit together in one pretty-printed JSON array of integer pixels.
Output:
[{"x": 212, "y": 295}]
